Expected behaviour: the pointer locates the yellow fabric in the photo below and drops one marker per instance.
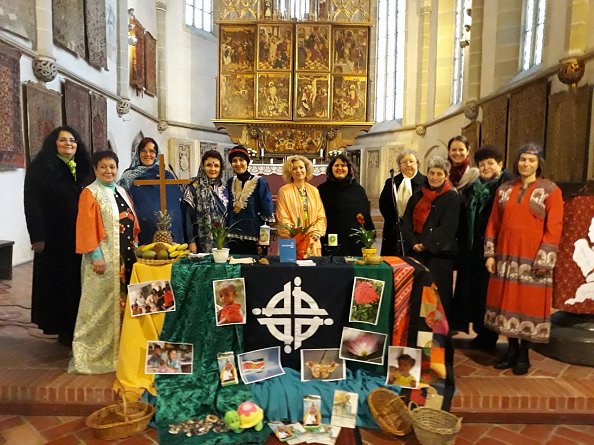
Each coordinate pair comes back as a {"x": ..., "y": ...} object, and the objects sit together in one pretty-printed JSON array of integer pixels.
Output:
[{"x": 136, "y": 332}]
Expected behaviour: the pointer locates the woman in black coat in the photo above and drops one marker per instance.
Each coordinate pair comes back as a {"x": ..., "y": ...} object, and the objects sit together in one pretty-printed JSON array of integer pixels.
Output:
[
  {"x": 343, "y": 198},
  {"x": 429, "y": 227},
  {"x": 53, "y": 182},
  {"x": 473, "y": 277},
  {"x": 395, "y": 195}
]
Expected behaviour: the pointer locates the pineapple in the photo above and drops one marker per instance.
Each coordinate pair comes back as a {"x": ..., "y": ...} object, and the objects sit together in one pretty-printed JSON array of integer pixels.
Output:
[{"x": 163, "y": 235}]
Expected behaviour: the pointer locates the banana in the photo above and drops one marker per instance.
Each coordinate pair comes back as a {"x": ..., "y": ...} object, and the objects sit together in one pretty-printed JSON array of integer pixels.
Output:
[
  {"x": 183, "y": 246},
  {"x": 147, "y": 247},
  {"x": 172, "y": 249},
  {"x": 176, "y": 254}
]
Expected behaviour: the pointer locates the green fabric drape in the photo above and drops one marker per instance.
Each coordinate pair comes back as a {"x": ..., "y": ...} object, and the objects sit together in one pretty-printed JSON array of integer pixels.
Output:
[{"x": 195, "y": 395}]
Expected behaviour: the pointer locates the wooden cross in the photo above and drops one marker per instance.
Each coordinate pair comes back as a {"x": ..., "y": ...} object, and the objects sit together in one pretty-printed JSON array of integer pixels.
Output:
[{"x": 162, "y": 182}]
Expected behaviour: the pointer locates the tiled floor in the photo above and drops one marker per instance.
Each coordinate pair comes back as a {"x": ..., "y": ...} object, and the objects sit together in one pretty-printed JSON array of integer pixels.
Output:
[{"x": 40, "y": 403}]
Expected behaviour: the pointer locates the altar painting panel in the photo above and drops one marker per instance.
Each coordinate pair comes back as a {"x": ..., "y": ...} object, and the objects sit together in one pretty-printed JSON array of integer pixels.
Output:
[
  {"x": 274, "y": 96},
  {"x": 238, "y": 49},
  {"x": 349, "y": 98},
  {"x": 313, "y": 47},
  {"x": 312, "y": 96},
  {"x": 237, "y": 96},
  {"x": 275, "y": 47},
  {"x": 350, "y": 50}
]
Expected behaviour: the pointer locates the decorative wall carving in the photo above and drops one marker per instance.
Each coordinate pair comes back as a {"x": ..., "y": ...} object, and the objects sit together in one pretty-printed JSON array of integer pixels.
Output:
[{"x": 45, "y": 68}]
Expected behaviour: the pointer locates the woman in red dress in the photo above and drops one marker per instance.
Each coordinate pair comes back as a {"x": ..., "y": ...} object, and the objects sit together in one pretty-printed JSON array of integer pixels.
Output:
[{"x": 521, "y": 244}]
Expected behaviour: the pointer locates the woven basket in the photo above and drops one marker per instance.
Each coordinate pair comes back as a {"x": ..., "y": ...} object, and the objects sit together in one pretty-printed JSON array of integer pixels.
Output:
[
  {"x": 156, "y": 262},
  {"x": 390, "y": 412},
  {"x": 435, "y": 426},
  {"x": 120, "y": 420}
]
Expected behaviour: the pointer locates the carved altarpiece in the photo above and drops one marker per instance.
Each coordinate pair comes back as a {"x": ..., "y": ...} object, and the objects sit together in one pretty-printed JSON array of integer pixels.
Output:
[{"x": 288, "y": 86}]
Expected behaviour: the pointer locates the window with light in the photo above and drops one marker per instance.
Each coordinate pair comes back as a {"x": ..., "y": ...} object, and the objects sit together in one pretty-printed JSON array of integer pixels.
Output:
[
  {"x": 199, "y": 14},
  {"x": 389, "y": 82},
  {"x": 461, "y": 25},
  {"x": 533, "y": 32}
]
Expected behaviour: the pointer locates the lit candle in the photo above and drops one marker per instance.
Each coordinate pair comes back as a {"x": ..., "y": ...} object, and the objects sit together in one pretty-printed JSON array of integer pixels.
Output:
[{"x": 332, "y": 240}]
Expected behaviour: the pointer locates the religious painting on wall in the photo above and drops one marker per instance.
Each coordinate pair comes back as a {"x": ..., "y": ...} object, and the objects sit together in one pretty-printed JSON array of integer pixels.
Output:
[
  {"x": 150, "y": 64},
  {"x": 293, "y": 140},
  {"x": 238, "y": 49},
  {"x": 12, "y": 153},
  {"x": 69, "y": 25},
  {"x": 236, "y": 96},
  {"x": 275, "y": 47},
  {"x": 312, "y": 96},
  {"x": 313, "y": 47},
  {"x": 274, "y": 96},
  {"x": 77, "y": 104},
  {"x": 95, "y": 16},
  {"x": 44, "y": 113},
  {"x": 349, "y": 98},
  {"x": 350, "y": 50},
  {"x": 137, "y": 74},
  {"x": 19, "y": 18}
]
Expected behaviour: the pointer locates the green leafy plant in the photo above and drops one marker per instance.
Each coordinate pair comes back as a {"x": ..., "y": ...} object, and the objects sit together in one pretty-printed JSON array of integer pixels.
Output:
[
  {"x": 364, "y": 237},
  {"x": 297, "y": 229},
  {"x": 219, "y": 230}
]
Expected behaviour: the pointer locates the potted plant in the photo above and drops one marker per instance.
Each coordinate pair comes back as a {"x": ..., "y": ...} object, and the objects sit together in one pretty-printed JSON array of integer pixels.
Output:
[
  {"x": 220, "y": 232},
  {"x": 364, "y": 237},
  {"x": 301, "y": 234}
]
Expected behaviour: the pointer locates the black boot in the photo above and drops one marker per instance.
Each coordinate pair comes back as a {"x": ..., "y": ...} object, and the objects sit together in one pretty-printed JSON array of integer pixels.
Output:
[
  {"x": 508, "y": 360},
  {"x": 522, "y": 364}
]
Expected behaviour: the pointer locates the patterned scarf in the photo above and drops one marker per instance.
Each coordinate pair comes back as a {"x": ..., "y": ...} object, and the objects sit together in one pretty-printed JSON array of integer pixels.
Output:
[
  {"x": 136, "y": 170},
  {"x": 423, "y": 207},
  {"x": 207, "y": 196},
  {"x": 457, "y": 171},
  {"x": 482, "y": 191}
]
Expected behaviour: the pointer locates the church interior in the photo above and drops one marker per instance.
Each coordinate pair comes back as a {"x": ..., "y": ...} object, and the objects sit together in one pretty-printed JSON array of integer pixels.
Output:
[{"x": 318, "y": 78}]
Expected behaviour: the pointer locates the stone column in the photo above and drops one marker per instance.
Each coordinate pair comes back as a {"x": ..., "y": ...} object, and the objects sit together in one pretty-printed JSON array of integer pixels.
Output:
[
  {"x": 44, "y": 65},
  {"x": 444, "y": 62},
  {"x": 423, "y": 59},
  {"x": 508, "y": 40},
  {"x": 162, "y": 64},
  {"x": 123, "y": 70}
]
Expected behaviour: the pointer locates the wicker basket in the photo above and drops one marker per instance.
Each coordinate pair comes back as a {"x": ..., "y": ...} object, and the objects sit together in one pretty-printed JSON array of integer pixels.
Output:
[
  {"x": 435, "y": 426},
  {"x": 390, "y": 412},
  {"x": 156, "y": 262},
  {"x": 120, "y": 420}
]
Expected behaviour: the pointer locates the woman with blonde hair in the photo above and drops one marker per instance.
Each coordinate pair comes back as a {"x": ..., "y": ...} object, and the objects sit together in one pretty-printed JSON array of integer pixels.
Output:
[{"x": 299, "y": 204}]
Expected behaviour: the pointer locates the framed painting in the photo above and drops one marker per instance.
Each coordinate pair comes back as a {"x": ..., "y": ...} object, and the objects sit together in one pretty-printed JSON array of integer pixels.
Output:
[
  {"x": 44, "y": 113},
  {"x": 238, "y": 49},
  {"x": 313, "y": 47},
  {"x": 312, "y": 96},
  {"x": 349, "y": 98},
  {"x": 350, "y": 51},
  {"x": 275, "y": 47},
  {"x": 274, "y": 96},
  {"x": 236, "y": 96}
]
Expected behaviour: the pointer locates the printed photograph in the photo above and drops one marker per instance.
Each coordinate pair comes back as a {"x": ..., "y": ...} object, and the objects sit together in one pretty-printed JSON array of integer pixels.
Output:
[
  {"x": 404, "y": 366},
  {"x": 229, "y": 300},
  {"x": 322, "y": 364},
  {"x": 366, "y": 300},
  {"x": 260, "y": 364},
  {"x": 284, "y": 432},
  {"x": 227, "y": 368},
  {"x": 312, "y": 411},
  {"x": 362, "y": 346},
  {"x": 344, "y": 409},
  {"x": 150, "y": 298},
  {"x": 169, "y": 358}
]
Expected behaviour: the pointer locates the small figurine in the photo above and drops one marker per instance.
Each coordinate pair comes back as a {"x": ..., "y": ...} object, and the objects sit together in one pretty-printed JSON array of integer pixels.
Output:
[{"x": 248, "y": 415}]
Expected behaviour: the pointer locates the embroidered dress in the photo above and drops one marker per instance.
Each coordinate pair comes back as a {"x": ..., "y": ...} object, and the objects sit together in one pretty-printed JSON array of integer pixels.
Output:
[
  {"x": 105, "y": 220},
  {"x": 523, "y": 236}
]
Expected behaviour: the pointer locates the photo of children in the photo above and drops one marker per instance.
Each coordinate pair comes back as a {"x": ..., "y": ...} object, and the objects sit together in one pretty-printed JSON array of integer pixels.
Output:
[
  {"x": 169, "y": 358},
  {"x": 322, "y": 364},
  {"x": 404, "y": 366},
  {"x": 227, "y": 369},
  {"x": 344, "y": 409},
  {"x": 312, "y": 412},
  {"x": 229, "y": 299},
  {"x": 260, "y": 364},
  {"x": 150, "y": 298}
]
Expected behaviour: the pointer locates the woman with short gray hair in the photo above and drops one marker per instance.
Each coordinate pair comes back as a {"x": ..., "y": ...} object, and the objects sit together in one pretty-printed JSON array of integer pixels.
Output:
[{"x": 429, "y": 227}]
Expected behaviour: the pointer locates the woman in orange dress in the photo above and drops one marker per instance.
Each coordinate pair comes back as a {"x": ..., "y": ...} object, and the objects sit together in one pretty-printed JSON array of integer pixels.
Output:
[{"x": 521, "y": 244}]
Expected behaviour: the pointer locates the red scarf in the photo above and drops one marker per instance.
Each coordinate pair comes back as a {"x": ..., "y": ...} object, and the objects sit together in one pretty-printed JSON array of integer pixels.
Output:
[
  {"x": 423, "y": 207},
  {"x": 457, "y": 171}
]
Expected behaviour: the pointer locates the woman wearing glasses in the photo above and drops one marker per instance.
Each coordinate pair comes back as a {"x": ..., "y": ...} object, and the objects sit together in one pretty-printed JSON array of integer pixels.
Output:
[
  {"x": 394, "y": 197},
  {"x": 146, "y": 198},
  {"x": 53, "y": 184}
]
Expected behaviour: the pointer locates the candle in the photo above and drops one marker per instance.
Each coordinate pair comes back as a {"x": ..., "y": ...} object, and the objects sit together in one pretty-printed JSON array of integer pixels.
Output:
[
  {"x": 332, "y": 240},
  {"x": 264, "y": 235}
]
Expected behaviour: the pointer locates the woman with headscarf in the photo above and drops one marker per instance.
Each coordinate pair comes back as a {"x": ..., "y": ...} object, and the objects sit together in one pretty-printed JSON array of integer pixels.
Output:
[
  {"x": 462, "y": 174},
  {"x": 299, "y": 204},
  {"x": 205, "y": 200},
  {"x": 250, "y": 204},
  {"x": 394, "y": 197},
  {"x": 343, "y": 198},
  {"x": 53, "y": 183},
  {"x": 429, "y": 227},
  {"x": 146, "y": 198},
  {"x": 521, "y": 246}
]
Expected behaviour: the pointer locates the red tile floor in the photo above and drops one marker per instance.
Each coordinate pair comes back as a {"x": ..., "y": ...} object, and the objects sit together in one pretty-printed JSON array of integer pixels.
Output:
[{"x": 40, "y": 403}]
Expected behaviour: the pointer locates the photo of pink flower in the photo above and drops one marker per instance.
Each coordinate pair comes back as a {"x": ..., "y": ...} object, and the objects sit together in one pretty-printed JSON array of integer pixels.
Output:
[
  {"x": 362, "y": 346},
  {"x": 366, "y": 300}
]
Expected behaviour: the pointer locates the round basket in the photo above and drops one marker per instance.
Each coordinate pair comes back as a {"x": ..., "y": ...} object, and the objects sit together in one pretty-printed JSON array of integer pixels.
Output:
[
  {"x": 435, "y": 426},
  {"x": 156, "y": 262},
  {"x": 120, "y": 420},
  {"x": 390, "y": 412}
]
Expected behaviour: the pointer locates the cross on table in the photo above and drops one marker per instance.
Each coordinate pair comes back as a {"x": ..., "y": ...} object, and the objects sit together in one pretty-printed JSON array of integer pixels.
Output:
[{"x": 162, "y": 182}]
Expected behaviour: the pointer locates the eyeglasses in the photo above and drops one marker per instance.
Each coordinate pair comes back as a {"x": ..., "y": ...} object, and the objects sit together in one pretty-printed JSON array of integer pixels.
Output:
[{"x": 66, "y": 140}]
